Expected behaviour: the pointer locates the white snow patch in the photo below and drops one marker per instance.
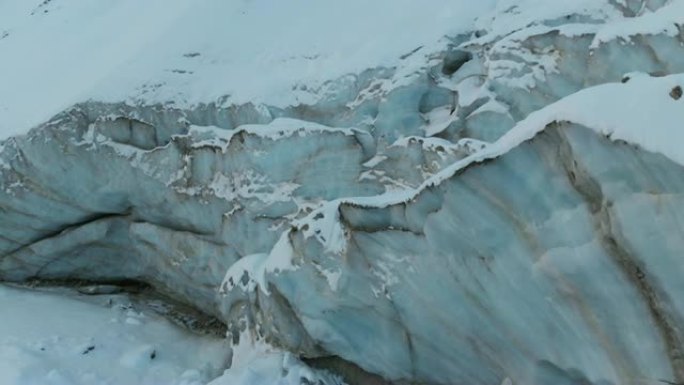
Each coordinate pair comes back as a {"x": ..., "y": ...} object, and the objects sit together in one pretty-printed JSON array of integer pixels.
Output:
[
  {"x": 53, "y": 339},
  {"x": 492, "y": 105},
  {"x": 438, "y": 120},
  {"x": 255, "y": 267},
  {"x": 185, "y": 53},
  {"x": 257, "y": 363},
  {"x": 664, "y": 20},
  {"x": 374, "y": 161},
  {"x": 331, "y": 276},
  {"x": 442, "y": 146},
  {"x": 515, "y": 15},
  {"x": 279, "y": 128},
  {"x": 250, "y": 185},
  {"x": 640, "y": 112}
]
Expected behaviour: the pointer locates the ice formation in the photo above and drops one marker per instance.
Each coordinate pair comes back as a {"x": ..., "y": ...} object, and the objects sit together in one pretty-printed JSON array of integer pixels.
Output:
[{"x": 486, "y": 202}]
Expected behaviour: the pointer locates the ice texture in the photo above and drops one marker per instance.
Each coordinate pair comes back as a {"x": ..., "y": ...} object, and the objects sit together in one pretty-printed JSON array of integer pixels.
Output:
[{"x": 504, "y": 206}]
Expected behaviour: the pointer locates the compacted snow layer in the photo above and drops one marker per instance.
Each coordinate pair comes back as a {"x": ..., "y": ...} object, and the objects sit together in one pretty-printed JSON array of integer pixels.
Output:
[
  {"x": 66, "y": 51},
  {"x": 61, "y": 339},
  {"x": 257, "y": 363}
]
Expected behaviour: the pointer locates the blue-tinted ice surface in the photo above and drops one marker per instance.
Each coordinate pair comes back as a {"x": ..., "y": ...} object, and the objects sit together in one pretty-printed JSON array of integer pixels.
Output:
[{"x": 495, "y": 217}]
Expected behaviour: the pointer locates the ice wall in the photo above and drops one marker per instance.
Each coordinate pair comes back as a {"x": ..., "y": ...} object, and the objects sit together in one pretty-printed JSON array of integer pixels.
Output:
[{"x": 511, "y": 210}]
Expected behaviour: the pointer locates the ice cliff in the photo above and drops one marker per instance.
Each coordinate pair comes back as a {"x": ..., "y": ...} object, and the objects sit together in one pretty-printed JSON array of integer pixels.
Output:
[{"x": 504, "y": 204}]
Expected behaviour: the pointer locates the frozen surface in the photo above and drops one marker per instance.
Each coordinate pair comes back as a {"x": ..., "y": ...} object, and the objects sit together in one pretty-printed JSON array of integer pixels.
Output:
[
  {"x": 189, "y": 52},
  {"x": 500, "y": 205},
  {"x": 52, "y": 339},
  {"x": 256, "y": 362}
]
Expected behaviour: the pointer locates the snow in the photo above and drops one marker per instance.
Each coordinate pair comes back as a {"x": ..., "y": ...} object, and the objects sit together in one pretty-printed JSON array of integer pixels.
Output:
[
  {"x": 58, "y": 338},
  {"x": 277, "y": 368},
  {"x": 439, "y": 145},
  {"x": 258, "y": 363},
  {"x": 374, "y": 161},
  {"x": 515, "y": 15},
  {"x": 187, "y": 52},
  {"x": 63, "y": 339},
  {"x": 640, "y": 112},
  {"x": 279, "y": 128},
  {"x": 626, "y": 108},
  {"x": 663, "y": 20},
  {"x": 183, "y": 53},
  {"x": 246, "y": 185},
  {"x": 256, "y": 266},
  {"x": 438, "y": 120}
]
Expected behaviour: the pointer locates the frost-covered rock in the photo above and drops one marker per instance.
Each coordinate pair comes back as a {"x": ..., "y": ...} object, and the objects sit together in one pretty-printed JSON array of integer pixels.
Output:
[{"x": 501, "y": 206}]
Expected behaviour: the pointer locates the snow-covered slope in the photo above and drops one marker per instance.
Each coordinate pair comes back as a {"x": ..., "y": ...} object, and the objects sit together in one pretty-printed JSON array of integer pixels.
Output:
[
  {"x": 60, "y": 52},
  {"x": 54, "y": 339},
  {"x": 436, "y": 192}
]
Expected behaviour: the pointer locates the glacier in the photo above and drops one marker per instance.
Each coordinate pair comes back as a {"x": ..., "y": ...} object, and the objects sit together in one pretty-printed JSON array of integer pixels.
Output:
[{"x": 503, "y": 205}]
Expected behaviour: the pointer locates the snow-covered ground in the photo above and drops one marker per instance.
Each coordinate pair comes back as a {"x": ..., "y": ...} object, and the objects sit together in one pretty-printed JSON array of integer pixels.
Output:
[
  {"x": 57, "y": 339},
  {"x": 59, "y": 52},
  {"x": 257, "y": 363}
]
